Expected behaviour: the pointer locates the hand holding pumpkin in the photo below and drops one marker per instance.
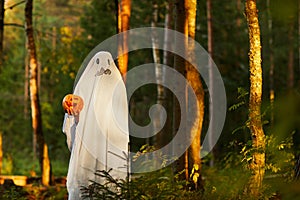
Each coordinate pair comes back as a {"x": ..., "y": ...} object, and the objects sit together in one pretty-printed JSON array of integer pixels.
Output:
[{"x": 72, "y": 104}]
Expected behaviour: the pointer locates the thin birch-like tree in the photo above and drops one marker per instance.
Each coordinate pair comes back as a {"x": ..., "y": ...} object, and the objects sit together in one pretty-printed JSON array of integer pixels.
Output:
[{"x": 157, "y": 123}]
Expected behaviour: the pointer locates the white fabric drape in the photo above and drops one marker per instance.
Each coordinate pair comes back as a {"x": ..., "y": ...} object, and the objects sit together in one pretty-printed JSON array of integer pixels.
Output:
[{"x": 100, "y": 139}]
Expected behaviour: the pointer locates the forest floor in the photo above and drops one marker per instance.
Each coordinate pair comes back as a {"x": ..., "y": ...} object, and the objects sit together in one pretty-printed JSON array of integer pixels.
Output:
[{"x": 33, "y": 190}]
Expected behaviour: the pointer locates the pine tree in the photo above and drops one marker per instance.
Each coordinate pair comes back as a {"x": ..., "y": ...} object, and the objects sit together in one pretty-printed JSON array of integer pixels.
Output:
[
  {"x": 34, "y": 98},
  {"x": 258, "y": 138}
]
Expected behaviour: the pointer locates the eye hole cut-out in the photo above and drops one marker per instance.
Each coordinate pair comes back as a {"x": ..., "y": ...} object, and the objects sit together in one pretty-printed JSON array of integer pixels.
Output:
[
  {"x": 108, "y": 61},
  {"x": 97, "y": 61}
]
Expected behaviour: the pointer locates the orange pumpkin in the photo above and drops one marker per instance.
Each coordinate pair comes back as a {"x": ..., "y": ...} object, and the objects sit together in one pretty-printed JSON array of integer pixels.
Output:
[{"x": 72, "y": 104}]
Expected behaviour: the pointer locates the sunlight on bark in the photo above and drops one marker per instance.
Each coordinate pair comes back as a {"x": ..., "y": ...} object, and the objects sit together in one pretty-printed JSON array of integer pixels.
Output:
[{"x": 258, "y": 138}]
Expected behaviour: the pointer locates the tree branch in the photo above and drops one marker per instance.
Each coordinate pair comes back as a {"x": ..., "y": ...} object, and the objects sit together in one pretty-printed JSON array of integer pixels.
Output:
[
  {"x": 14, "y": 24},
  {"x": 14, "y": 5}
]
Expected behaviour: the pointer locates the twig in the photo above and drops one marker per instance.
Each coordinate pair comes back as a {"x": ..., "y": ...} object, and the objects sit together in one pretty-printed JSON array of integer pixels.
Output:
[
  {"x": 14, "y": 5},
  {"x": 14, "y": 24}
]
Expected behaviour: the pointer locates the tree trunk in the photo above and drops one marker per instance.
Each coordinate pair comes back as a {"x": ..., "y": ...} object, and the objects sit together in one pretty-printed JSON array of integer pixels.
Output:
[
  {"x": 168, "y": 61},
  {"x": 123, "y": 25},
  {"x": 186, "y": 24},
  {"x": 272, "y": 65},
  {"x": 299, "y": 40},
  {"x": 258, "y": 138},
  {"x": 290, "y": 79},
  {"x": 167, "y": 57},
  {"x": 157, "y": 123},
  {"x": 211, "y": 75},
  {"x": 194, "y": 80},
  {"x": 2, "y": 10},
  {"x": 179, "y": 65},
  {"x": 1, "y": 153},
  {"x": 34, "y": 94}
]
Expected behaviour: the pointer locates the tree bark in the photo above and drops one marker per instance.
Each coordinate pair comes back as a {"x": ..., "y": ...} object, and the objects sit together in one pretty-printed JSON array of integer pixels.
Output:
[
  {"x": 194, "y": 80},
  {"x": 272, "y": 65},
  {"x": 124, "y": 10},
  {"x": 1, "y": 153},
  {"x": 157, "y": 123},
  {"x": 290, "y": 78},
  {"x": 2, "y": 10},
  {"x": 258, "y": 138},
  {"x": 211, "y": 75},
  {"x": 167, "y": 56},
  {"x": 179, "y": 65},
  {"x": 190, "y": 163},
  {"x": 34, "y": 94},
  {"x": 299, "y": 40},
  {"x": 168, "y": 61}
]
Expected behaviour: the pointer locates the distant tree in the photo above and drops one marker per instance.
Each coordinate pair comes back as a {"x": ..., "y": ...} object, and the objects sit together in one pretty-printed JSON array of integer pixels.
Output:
[
  {"x": 2, "y": 10},
  {"x": 42, "y": 150},
  {"x": 159, "y": 73},
  {"x": 168, "y": 60},
  {"x": 291, "y": 76},
  {"x": 179, "y": 65},
  {"x": 211, "y": 75},
  {"x": 271, "y": 60},
  {"x": 257, "y": 165},
  {"x": 298, "y": 41}
]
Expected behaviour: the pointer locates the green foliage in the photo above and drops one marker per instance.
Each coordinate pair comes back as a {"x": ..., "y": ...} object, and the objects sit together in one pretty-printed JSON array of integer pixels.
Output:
[
  {"x": 13, "y": 193},
  {"x": 242, "y": 95},
  {"x": 154, "y": 185},
  {"x": 280, "y": 158},
  {"x": 99, "y": 22},
  {"x": 7, "y": 164},
  {"x": 225, "y": 183}
]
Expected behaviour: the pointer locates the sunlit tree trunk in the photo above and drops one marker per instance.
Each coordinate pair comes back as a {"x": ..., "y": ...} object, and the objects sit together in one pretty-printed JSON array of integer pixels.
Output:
[
  {"x": 186, "y": 23},
  {"x": 194, "y": 80},
  {"x": 34, "y": 96},
  {"x": 257, "y": 165},
  {"x": 1, "y": 65},
  {"x": 124, "y": 10}
]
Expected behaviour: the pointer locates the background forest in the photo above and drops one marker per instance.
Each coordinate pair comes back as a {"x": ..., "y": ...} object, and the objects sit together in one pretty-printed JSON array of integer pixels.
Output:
[{"x": 67, "y": 30}]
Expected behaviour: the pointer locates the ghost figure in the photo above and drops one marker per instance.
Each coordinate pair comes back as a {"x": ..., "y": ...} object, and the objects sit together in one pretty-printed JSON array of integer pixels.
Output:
[{"x": 98, "y": 139}]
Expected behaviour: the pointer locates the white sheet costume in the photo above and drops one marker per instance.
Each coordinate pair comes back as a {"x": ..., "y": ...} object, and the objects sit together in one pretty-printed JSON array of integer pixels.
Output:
[{"x": 99, "y": 141}]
